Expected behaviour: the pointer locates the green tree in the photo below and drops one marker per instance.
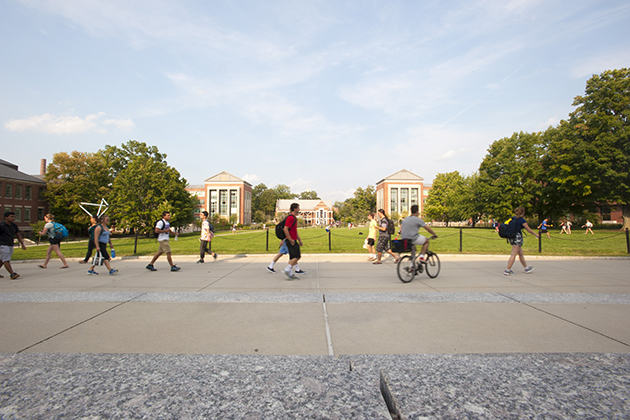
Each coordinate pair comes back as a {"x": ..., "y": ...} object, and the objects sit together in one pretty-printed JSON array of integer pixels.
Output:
[
  {"x": 589, "y": 155},
  {"x": 443, "y": 197},
  {"x": 356, "y": 209},
  {"x": 145, "y": 187},
  {"x": 308, "y": 195},
  {"x": 283, "y": 192},
  {"x": 74, "y": 178},
  {"x": 511, "y": 175}
]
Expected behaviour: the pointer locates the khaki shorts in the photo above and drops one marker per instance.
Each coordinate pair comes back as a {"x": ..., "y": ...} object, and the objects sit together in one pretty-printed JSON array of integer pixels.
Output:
[{"x": 165, "y": 248}]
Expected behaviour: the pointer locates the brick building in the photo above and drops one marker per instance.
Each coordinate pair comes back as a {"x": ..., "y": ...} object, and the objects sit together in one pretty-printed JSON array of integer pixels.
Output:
[
  {"x": 22, "y": 194},
  {"x": 398, "y": 192},
  {"x": 313, "y": 212},
  {"x": 226, "y": 195}
]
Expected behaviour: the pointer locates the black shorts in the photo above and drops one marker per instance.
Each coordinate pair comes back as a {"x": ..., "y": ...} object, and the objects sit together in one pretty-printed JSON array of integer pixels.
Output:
[
  {"x": 102, "y": 247},
  {"x": 294, "y": 250},
  {"x": 371, "y": 241},
  {"x": 55, "y": 241}
]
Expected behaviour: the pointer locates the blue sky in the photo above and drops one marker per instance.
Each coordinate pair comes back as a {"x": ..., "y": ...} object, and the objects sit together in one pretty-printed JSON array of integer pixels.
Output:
[{"x": 321, "y": 95}]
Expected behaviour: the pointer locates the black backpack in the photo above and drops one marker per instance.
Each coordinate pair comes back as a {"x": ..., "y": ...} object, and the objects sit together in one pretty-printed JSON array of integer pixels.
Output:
[
  {"x": 391, "y": 229},
  {"x": 155, "y": 234},
  {"x": 508, "y": 230},
  {"x": 280, "y": 229}
]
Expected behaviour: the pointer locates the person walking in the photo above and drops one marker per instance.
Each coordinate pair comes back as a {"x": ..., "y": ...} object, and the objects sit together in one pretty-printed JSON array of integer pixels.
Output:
[
  {"x": 294, "y": 241},
  {"x": 569, "y": 224},
  {"x": 163, "y": 229},
  {"x": 563, "y": 225},
  {"x": 371, "y": 239},
  {"x": 544, "y": 227},
  {"x": 517, "y": 242},
  {"x": 283, "y": 251},
  {"x": 205, "y": 241},
  {"x": 102, "y": 237},
  {"x": 93, "y": 224},
  {"x": 589, "y": 227},
  {"x": 8, "y": 232},
  {"x": 55, "y": 243},
  {"x": 383, "y": 237}
]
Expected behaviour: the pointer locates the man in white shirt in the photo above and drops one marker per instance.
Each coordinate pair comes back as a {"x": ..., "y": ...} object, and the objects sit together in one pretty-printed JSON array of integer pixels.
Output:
[
  {"x": 163, "y": 229},
  {"x": 410, "y": 227}
]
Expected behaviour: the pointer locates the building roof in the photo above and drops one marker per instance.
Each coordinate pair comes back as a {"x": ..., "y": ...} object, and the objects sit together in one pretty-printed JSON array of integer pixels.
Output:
[
  {"x": 9, "y": 170},
  {"x": 402, "y": 175},
  {"x": 305, "y": 205},
  {"x": 226, "y": 177}
]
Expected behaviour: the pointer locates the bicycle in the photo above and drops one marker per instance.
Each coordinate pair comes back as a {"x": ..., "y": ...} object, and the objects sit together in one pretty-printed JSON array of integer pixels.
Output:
[{"x": 409, "y": 265}]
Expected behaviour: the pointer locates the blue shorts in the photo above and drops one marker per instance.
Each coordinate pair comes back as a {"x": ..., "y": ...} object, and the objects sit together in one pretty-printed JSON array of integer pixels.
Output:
[{"x": 283, "y": 249}]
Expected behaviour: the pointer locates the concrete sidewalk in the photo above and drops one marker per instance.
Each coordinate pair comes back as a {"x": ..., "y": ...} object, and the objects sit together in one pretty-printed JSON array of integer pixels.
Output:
[{"x": 328, "y": 345}]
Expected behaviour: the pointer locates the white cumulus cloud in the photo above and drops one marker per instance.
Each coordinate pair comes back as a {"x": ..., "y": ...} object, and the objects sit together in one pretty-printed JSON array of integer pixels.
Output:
[{"x": 68, "y": 124}]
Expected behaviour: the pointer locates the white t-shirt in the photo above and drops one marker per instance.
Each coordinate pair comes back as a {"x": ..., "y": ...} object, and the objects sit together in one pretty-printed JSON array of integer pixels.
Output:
[{"x": 163, "y": 224}]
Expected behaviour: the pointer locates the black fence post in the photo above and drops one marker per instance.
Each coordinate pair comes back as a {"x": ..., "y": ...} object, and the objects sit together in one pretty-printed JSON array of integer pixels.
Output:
[
  {"x": 267, "y": 239},
  {"x": 539, "y": 242},
  {"x": 329, "y": 243},
  {"x": 628, "y": 240},
  {"x": 460, "y": 239}
]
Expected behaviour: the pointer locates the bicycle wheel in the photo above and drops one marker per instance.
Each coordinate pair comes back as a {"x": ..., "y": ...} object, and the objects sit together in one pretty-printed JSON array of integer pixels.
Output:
[
  {"x": 405, "y": 269},
  {"x": 432, "y": 265}
]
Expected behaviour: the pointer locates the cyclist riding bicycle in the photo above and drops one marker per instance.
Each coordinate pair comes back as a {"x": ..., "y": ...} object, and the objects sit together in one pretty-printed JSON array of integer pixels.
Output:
[{"x": 410, "y": 228}]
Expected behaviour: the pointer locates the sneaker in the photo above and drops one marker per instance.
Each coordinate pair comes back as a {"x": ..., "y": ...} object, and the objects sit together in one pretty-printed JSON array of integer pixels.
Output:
[
  {"x": 271, "y": 270},
  {"x": 215, "y": 256},
  {"x": 508, "y": 273},
  {"x": 175, "y": 268},
  {"x": 200, "y": 262},
  {"x": 289, "y": 275},
  {"x": 528, "y": 269},
  {"x": 300, "y": 272},
  {"x": 422, "y": 258},
  {"x": 151, "y": 268},
  {"x": 92, "y": 272},
  {"x": 113, "y": 271},
  {"x": 14, "y": 276}
]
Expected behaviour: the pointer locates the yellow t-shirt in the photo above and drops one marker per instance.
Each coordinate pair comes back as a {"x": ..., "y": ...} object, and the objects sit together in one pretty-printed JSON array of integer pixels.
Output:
[{"x": 372, "y": 231}]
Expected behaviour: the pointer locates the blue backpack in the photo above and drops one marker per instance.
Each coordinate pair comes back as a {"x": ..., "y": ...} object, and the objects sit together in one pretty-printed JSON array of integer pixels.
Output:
[
  {"x": 60, "y": 231},
  {"x": 508, "y": 229}
]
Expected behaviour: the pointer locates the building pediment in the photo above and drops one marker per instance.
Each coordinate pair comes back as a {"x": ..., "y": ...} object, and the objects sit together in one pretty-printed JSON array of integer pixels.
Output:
[
  {"x": 402, "y": 175},
  {"x": 225, "y": 177}
]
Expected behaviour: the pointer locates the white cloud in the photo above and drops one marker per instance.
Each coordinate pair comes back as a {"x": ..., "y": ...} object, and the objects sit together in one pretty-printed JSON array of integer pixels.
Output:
[
  {"x": 51, "y": 124},
  {"x": 251, "y": 178}
]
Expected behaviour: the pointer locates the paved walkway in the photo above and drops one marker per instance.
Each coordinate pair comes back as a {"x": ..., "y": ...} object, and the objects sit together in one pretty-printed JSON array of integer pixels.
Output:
[{"x": 227, "y": 339}]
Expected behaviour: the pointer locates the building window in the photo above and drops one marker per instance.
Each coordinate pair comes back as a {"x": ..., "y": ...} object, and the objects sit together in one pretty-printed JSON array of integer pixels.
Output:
[
  {"x": 606, "y": 213},
  {"x": 233, "y": 202},
  {"x": 40, "y": 195},
  {"x": 394, "y": 201},
  {"x": 8, "y": 191},
  {"x": 404, "y": 199},
  {"x": 27, "y": 193},
  {"x": 414, "y": 196},
  {"x": 18, "y": 214},
  {"x": 213, "y": 201},
  {"x": 201, "y": 202},
  {"x": 18, "y": 191},
  {"x": 27, "y": 214},
  {"x": 223, "y": 198},
  {"x": 40, "y": 214}
]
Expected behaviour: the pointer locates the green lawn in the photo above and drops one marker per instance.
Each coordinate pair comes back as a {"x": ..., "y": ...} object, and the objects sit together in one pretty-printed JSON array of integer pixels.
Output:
[{"x": 474, "y": 241}]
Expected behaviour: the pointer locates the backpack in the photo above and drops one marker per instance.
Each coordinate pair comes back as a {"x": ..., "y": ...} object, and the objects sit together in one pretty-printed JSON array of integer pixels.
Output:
[
  {"x": 280, "y": 229},
  {"x": 91, "y": 232},
  {"x": 508, "y": 230},
  {"x": 391, "y": 229},
  {"x": 60, "y": 231},
  {"x": 155, "y": 235}
]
